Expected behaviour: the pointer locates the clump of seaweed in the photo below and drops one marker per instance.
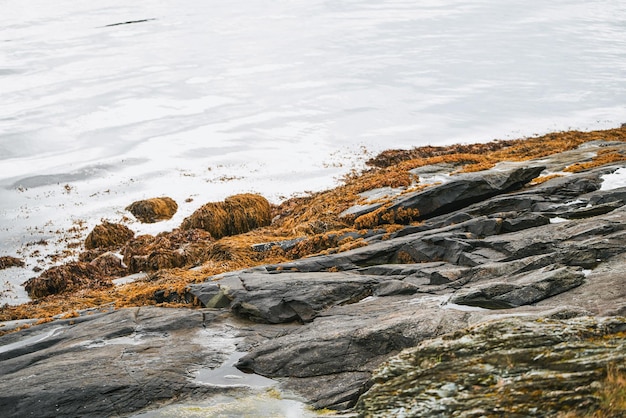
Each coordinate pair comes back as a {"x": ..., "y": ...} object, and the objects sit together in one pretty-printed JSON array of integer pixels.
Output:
[
  {"x": 8, "y": 261},
  {"x": 385, "y": 216},
  {"x": 235, "y": 215},
  {"x": 153, "y": 210},
  {"x": 604, "y": 157},
  {"x": 107, "y": 236},
  {"x": 66, "y": 278}
]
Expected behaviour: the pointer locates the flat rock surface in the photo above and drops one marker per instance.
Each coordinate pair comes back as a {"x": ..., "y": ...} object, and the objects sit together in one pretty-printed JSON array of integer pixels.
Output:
[{"x": 108, "y": 364}]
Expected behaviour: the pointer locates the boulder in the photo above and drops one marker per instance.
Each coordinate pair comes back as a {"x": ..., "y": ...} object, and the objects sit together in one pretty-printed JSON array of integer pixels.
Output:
[
  {"x": 153, "y": 210},
  {"x": 288, "y": 296},
  {"x": 458, "y": 193},
  {"x": 525, "y": 289},
  {"x": 345, "y": 343}
]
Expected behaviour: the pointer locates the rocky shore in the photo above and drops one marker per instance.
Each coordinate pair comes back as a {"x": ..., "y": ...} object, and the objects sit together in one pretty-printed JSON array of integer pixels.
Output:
[{"x": 498, "y": 292}]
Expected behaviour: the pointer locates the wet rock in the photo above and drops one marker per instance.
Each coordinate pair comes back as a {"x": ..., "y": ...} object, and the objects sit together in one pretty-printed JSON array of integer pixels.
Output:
[
  {"x": 518, "y": 367},
  {"x": 153, "y": 210},
  {"x": 108, "y": 235},
  {"x": 66, "y": 278},
  {"x": 463, "y": 192},
  {"x": 522, "y": 221},
  {"x": 347, "y": 342},
  {"x": 109, "y": 364},
  {"x": 522, "y": 290},
  {"x": 595, "y": 210},
  {"x": 8, "y": 262},
  {"x": 288, "y": 297},
  {"x": 607, "y": 196},
  {"x": 285, "y": 245},
  {"x": 235, "y": 215}
]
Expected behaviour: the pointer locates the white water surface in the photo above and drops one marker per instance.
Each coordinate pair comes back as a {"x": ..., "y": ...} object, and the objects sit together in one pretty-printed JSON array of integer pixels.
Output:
[{"x": 209, "y": 98}]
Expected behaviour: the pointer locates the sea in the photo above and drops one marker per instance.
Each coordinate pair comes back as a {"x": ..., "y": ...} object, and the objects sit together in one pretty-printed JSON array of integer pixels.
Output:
[{"x": 103, "y": 103}]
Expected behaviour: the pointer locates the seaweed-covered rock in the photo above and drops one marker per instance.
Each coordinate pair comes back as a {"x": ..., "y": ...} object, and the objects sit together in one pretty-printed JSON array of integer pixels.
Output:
[
  {"x": 110, "y": 264},
  {"x": 178, "y": 248},
  {"x": 514, "y": 367},
  {"x": 108, "y": 235},
  {"x": 66, "y": 278},
  {"x": 153, "y": 210},
  {"x": 8, "y": 261},
  {"x": 235, "y": 215}
]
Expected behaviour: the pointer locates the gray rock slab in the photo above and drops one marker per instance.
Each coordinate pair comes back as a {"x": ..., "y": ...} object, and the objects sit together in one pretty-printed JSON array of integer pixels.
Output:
[
  {"x": 108, "y": 365},
  {"x": 525, "y": 289}
]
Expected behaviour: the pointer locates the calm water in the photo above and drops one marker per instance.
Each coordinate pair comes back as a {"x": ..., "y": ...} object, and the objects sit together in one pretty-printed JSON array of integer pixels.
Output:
[{"x": 210, "y": 98}]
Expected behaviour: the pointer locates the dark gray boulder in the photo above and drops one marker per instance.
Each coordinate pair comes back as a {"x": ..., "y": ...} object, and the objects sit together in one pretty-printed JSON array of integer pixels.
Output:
[
  {"x": 524, "y": 289},
  {"x": 468, "y": 189}
]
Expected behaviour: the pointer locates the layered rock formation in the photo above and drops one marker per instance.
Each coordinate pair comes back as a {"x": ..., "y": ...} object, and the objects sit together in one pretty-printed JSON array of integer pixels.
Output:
[{"x": 507, "y": 298}]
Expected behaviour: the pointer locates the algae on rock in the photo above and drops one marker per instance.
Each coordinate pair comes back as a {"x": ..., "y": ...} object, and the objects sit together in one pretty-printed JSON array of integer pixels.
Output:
[{"x": 514, "y": 367}]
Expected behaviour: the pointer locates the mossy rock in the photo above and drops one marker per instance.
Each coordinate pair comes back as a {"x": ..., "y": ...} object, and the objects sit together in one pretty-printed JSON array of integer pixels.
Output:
[
  {"x": 67, "y": 278},
  {"x": 513, "y": 367},
  {"x": 153, "y": 210},
  {"x": 235, "y": 215},
  {"x": 108, "y": 235}
]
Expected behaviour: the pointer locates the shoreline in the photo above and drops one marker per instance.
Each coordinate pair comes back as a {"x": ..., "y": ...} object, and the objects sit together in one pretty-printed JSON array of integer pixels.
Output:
[
  {"x": 319, "y": 214},
  {"x": 381, "y": 295}
]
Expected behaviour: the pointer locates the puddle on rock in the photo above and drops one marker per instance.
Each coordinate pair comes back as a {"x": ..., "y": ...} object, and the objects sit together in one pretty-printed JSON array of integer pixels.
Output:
[
  {"x": 227, "y": 375},
  {"x": 464, "y": 308},
  {"x": 260, "y": 399}
]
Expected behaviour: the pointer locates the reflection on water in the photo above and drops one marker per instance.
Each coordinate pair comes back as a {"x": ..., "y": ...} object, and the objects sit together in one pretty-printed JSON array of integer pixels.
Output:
[{"x": 228, "y": 375}]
